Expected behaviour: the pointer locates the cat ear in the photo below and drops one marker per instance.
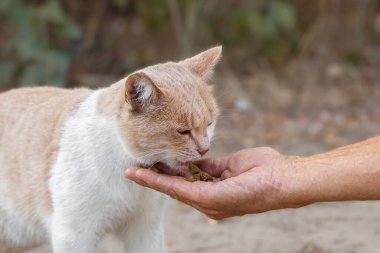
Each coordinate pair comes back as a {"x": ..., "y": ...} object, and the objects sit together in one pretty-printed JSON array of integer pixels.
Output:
[
  {"x": 203, "y": 64},
  {"x": 140, "y": 91}
]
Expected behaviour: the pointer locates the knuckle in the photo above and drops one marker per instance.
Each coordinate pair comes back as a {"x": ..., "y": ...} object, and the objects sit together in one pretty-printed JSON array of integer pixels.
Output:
[
  {"x": 226, "y": 174},
  {"x": 215, "y": 217},
  {"x": 171, "y": 193},
  {"x": 202, "y": 209},
  {"x": 269, "y": 151}
]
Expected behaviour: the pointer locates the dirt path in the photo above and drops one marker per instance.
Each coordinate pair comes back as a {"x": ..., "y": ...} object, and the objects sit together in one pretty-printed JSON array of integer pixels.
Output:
[{"x": 327, "y": 227}]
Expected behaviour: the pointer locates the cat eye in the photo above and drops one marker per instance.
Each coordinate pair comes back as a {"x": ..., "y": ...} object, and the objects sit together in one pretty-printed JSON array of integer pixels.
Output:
[
  {"x": 209, "y": 124},
  {"x": 184, "y": 132}
]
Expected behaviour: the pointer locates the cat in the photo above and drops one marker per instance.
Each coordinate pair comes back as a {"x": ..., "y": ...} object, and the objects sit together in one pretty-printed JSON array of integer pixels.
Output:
[{"x": 63, "y": 153}]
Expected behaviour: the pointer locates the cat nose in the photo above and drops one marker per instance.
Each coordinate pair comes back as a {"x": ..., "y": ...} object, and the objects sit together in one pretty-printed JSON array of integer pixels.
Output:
[{"x": 202, "y": 151}]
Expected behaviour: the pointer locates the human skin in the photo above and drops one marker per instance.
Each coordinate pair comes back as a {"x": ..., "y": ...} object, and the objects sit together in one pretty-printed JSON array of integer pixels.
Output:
[{"x": 257, "y": 180}]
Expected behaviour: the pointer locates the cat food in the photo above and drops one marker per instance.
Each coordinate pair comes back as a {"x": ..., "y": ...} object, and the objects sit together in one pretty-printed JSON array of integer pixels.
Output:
[
  {"x": 155, "y": 170},
  {"x": 198, "y": 175}
]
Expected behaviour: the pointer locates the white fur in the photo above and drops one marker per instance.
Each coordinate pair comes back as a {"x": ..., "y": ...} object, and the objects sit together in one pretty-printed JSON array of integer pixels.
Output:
[
  {"x": 145, "y": 90},
  {"x": 210, "y": 132}
]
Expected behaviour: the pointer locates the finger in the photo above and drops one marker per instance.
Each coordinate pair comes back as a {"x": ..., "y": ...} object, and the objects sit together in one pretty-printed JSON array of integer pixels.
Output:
[
  {"x": 146, "y": 180},
  {"x": 213, "y": 166},
  {"x": 216, "y": 217},
  {"x": 226, "y": 174},
  {"x": 130, "y": 173},
  {"x": 176, "y": 187}
]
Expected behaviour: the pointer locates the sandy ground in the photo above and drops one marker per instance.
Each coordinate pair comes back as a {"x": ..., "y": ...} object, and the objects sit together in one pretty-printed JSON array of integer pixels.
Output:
[{"x": 320, "y": 228}]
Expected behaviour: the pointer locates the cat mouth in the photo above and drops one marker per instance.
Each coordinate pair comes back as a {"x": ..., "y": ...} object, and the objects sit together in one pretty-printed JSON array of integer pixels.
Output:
[{"x": 166, "y": 169}]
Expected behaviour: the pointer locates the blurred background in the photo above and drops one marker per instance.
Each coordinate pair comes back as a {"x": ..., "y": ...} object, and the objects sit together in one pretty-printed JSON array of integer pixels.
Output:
[{"x": 300, "y": 76}]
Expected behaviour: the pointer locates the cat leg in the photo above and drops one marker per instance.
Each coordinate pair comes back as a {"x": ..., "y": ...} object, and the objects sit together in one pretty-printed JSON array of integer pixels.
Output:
[
  {"x": 144, "y": 235},
  {"x": 41, "y": 249},
  {"x": 110, "y": 244},
  {"x": 8, "y": 247},
  {"x": 72, "y": 233}
]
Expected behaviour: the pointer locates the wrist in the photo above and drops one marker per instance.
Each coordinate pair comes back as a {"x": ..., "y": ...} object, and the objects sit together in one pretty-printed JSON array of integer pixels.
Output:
[
  {"x": 348, "y": 173},
  {"x": 298, "y": 184},
  {"x": 288, "y": 186},
  {"x": 343, "y": 174}
]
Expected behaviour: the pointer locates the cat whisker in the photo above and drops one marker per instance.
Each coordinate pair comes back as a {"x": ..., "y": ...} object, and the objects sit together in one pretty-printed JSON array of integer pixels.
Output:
[{"x": 148, "y": 153}]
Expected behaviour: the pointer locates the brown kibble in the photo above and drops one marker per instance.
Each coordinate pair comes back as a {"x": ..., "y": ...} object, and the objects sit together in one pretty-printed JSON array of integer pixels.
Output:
[
  {"x": 192, "y": 178},
  {"x": 198, "y": 174},
  {"x": 156, "y": 170},
  {"x": 203, "y": 176},
  {"x": 194, "y": 169}
]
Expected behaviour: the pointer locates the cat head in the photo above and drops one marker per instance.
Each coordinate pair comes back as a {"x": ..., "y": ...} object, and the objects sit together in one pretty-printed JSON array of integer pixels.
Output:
[{"x": 171, "y": 111}]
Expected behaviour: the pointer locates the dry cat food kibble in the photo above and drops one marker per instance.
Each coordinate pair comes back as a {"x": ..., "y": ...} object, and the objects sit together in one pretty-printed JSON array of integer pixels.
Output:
[{"x": 198, "y": 174}]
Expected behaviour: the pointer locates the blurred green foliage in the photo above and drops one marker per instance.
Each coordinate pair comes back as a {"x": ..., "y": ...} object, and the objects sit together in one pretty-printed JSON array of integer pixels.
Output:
[
  {"x": 32, "y": 54},
  {"x": 153, "y": 12},
  {"x": 267, "y": 27},
  {"x": 115, "y": 36},
  {"x": 36, "y": 50}
]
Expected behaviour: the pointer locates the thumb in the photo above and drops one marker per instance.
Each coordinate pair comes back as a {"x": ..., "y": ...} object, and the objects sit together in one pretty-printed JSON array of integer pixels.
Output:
[{"x": 213, "y": 166}]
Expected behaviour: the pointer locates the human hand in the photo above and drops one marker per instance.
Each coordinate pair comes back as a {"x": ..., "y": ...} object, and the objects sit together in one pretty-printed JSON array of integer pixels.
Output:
[{"x": 251, "y": 181}]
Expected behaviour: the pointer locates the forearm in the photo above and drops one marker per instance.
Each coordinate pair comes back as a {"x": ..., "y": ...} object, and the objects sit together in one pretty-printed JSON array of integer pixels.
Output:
[{"x": 348, "y": 173}]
